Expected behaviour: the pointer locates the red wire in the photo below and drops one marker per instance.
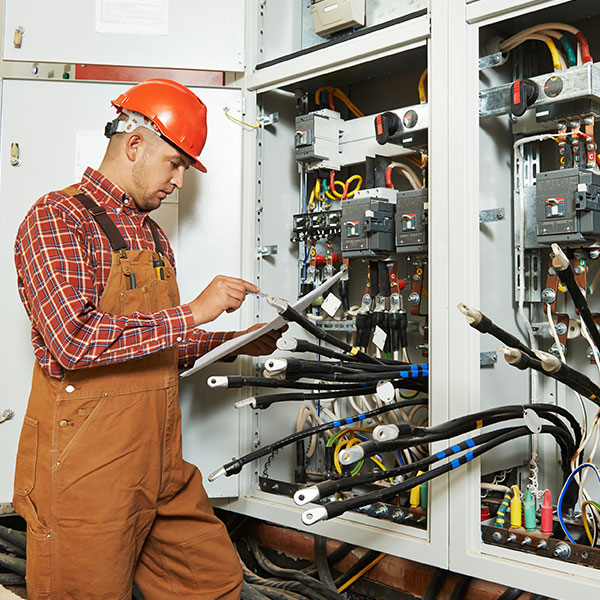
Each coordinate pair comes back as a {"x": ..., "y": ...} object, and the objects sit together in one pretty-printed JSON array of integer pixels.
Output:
[
  {"x": 585, "y": 48},
  {"x": 388, "y": 177},
  {"x": 332, "y": 107}
]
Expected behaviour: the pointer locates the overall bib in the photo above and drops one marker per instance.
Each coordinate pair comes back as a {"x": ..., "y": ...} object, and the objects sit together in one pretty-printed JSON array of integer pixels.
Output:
[{"x": 100, "y": 477}]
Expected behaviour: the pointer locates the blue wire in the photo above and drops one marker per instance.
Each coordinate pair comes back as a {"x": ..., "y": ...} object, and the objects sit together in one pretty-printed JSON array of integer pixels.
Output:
[
  {"x": 564, "y": 490},
  {"x": 402, "y": 463}
]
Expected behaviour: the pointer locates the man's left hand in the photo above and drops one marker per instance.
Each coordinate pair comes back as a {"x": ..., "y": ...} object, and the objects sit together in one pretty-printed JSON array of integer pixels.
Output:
[{"x": 264, "y": 345}]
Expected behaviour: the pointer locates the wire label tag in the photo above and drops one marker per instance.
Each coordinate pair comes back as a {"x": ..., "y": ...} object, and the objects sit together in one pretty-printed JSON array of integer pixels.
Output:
[
  {"x": 379, "y": 337},
  {"x": 331, "y": 304}
]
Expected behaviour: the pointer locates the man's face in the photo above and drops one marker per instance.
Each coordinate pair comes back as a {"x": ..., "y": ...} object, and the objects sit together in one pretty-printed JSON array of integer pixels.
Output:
[{"x": 157, "y": 171}]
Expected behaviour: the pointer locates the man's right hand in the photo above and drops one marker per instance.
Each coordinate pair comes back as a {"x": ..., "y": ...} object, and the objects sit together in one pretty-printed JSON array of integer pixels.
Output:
[{"x": 223, "y": 294}]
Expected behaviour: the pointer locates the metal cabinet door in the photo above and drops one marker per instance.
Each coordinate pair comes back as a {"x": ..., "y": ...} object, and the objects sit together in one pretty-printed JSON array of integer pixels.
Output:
[
  {"x": 200, "y": 34},
  {"x": 58, "y": 126}
]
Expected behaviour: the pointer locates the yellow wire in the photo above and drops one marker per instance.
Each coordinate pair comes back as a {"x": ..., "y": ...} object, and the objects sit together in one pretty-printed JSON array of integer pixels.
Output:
[
  {"x": 337, "y": 195},
  {"x": 413, "y": 159},
  {"x": 339, "y": 94},
  {"x": 585, "y": 520},
  {"x": 361, "y": 573},
  {"x": 349, "y": 181},
  {"x": 243, "y": 122},
  {"x": 555, "y": 56},
  {"x": 380, "y": 465},
  {"x": 336, "y": 453},
  {"x": 422, "y": 94}
]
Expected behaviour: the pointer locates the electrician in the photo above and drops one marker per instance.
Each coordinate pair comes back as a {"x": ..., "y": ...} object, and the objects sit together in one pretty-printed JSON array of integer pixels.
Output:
[{"x": 100, "y": 477}]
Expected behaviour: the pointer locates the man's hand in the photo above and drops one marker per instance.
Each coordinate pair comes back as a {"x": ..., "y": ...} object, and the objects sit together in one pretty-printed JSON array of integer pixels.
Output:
[
  {"x": 223, "y": 294},
  {"x": 264, "y": 345}
]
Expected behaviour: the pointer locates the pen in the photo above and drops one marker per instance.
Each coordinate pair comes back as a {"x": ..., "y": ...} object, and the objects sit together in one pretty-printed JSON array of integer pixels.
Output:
[{"x": 132, "y": 281}]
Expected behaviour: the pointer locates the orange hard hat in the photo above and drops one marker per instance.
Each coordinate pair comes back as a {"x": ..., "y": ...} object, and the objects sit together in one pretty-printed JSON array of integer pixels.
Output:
[{"x": 177, "y": 112}]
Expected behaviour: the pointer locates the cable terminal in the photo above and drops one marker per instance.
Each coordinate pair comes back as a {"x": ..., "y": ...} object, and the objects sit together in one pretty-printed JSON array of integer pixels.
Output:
[
  {"x": 473, "y": 315},
  {"x": 218, "y": 382},
  {"x": 310, "y": 517},
  {"x": 306, "y": 495},
  {"x": 251, "y": 402}
]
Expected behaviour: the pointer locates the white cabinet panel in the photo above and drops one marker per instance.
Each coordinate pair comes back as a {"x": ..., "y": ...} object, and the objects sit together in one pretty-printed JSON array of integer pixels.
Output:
[
  {"x": 44, "y": 118},
  {"x": 201, "y": 35}
]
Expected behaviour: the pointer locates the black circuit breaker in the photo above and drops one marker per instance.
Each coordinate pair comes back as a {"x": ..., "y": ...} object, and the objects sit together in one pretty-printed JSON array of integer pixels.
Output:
[
  {"x": 368, "y": 223},
  {"x": 411, "y": 222},
  {"x": 568, "y": 207}
]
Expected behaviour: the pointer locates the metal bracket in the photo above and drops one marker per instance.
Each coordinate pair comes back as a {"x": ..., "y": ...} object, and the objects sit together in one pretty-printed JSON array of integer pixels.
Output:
[
  {"x": 492, "y": 60},
  {"x": 488, "y": 359},
  {"x": 491, "y": 215},
  {"x": 269, "y": 119},
  {"x": 267, "y": 250}
]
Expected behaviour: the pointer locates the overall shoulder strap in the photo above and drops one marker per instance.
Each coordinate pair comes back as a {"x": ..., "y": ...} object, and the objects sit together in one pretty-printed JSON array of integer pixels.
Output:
[
  {"x": 106, "y": 224},
  {"x": 157, "y": 243}
]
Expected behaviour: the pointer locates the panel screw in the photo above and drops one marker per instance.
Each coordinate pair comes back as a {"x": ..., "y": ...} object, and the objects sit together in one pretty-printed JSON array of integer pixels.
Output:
[
  {"x": 497, "y": 536},
  {"x": 548, "y": 295},
  {"x": 414, "y": 299},
  {"x": 562, "y": 550}
]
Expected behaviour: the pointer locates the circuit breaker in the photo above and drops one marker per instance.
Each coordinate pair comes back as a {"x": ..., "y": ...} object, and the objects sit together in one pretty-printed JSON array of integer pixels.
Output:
[
  {"x": 368, "y": 223},
  {"x": 317, "y": 139},
  {"x": 568, "y": 206},
  {"x": 411, "y": 222}
]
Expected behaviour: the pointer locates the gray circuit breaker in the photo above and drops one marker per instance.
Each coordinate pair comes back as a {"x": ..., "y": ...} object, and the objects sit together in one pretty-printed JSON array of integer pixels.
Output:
[
  {"x": 411, "y": 222},
  {"x": 317, "y": 139},
  {"x": 568, "y": 207},
  {"x": 368, "y": 223}
]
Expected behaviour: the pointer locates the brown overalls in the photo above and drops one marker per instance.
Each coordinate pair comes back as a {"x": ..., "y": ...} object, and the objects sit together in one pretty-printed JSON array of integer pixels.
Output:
[{"x": 100, "y": 477}]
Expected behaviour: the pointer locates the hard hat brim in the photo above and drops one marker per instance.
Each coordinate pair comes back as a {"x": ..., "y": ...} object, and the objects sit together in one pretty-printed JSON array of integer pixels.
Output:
[{"x": 198, "y": 165}]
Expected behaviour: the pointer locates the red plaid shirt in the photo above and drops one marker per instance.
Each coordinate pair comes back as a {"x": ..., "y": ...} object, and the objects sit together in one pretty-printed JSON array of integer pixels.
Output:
[{"x": 63, "y": 260}]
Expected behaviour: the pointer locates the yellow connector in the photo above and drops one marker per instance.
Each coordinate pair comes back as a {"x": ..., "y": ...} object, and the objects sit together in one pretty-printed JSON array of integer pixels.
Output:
[
  {"x": 516, "y": 519},
  {"x": 415, "y": 494}
]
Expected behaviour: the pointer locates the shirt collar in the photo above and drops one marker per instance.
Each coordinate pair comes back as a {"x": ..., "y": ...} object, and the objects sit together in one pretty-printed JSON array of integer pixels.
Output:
[{"x": 105, "y": 191}]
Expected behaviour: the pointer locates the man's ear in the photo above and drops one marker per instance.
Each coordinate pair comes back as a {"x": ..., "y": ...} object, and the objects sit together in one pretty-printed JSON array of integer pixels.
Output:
[{"x": 133, "y": 145}]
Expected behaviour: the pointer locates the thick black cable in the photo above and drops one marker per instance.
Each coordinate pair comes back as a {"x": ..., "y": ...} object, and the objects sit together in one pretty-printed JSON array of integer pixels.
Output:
[
  {"x": 11, "y": 579},
  {"x": 568, "y": 376},
  {"x": 321, "y": 561},
  {"x": 279, "y": 584},
  {"x": 236, "y": 465},
  {"x": 435, "y": 584},
  {"x": 10, "y": 548},
  {"x": 334, "y": 558},
  {"x": 292, "y": 315},
  {"x": 249, "y": 592},
  {"x": 273, "y": 569},
  {"x": 277, "y": 594},
  {"x": 460, "y": 588},
  {"x": 337, "y": 508},
  {"x": 366, "y": 376},
  {"x": 538, "y": 597},
  {"x": 19, "y": 538},
  {"x": 484, "y": 324},
  {"x": 510, "y": 594},
  {"x": 12, "y": 563},
  {"x": 331, "y": 486},
  {"x": 567, "y": 278},
  {"x": 306, "y": 346},
  {"x": 458, "y": 426},
  {"x": 265, "y": 401},
  {"x": 366, "y": 559}
]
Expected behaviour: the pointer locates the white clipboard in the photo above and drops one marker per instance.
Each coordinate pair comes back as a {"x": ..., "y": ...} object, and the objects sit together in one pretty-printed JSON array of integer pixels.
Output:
[{"x": 231, "y": 346}]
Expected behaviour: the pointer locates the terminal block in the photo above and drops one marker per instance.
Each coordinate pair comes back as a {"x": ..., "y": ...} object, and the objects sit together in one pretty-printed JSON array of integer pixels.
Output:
[
  {"x": 568, "y": 207},
  {"x": 411, "y": 222},
  {"x": 316, "y": 225},
  {"x": 368, "y": 223},
  {"x": 317, "y": 140}
]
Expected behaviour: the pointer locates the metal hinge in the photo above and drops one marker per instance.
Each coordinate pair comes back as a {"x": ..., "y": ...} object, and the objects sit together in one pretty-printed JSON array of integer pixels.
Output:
[
  {"x": 488, "y": 359},
  {"x": 270, "y": 119},
  {"x": 267, "y": 250}
]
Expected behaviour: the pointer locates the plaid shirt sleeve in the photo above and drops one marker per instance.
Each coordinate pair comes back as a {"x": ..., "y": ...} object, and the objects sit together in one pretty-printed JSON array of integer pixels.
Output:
[{"x": 56, "y": 284}]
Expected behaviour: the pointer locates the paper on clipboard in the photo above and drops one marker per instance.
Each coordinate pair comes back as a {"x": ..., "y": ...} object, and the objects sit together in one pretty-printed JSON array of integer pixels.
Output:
[{"x": 232, "y": 345}]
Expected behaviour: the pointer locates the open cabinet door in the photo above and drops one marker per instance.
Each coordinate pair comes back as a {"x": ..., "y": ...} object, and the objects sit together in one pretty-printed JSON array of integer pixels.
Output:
[
  {"x": 191, "y": 34},
  {"x": 58, "y": 127}
]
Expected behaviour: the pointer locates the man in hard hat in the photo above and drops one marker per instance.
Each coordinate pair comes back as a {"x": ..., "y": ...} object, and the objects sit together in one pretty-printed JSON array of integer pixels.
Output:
[{"x": 100, "y": 477}]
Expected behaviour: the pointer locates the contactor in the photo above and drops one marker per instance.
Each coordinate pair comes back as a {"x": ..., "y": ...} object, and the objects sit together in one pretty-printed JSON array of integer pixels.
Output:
[{"x": 411, "y": 222}]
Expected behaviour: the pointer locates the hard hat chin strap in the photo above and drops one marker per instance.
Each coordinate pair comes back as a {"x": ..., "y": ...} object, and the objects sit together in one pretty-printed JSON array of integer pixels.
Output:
[{"x": 133, "y": 121}]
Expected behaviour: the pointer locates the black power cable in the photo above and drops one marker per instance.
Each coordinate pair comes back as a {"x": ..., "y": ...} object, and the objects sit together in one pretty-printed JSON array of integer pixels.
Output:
[
  {"x": 366, "y": 559},
  {"x": 337, "y": 508},
  {"x": 236, "y": 465},
  {"x": 510, "y": 594},
  {"x": 321, "y": 562},
  {"x": 306, "y": 580},
  {"x": 18, "y": 538},
  {"x": 13, "y": 564},
  {"x": 435, "y": 584},
  {"x": 461, "y": 587},
  {"x": 292, "y": 315}
]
